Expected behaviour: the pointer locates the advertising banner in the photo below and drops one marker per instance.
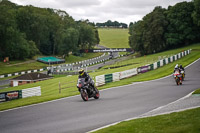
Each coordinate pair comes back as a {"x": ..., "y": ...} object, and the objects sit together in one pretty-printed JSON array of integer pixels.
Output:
[
  {"x": 11, "y": 95},
  {"x": 2, "y": 97},
  {"x": 107, "y": 50},
  {"x": 144, "y": 69}
]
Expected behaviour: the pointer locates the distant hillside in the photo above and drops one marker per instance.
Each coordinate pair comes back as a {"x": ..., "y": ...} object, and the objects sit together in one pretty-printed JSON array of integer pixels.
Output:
[{"x": 114, "y": 38}]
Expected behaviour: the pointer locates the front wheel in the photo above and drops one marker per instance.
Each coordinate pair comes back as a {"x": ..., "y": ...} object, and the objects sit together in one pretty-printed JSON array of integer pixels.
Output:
[{"x": 84, "y": 95}]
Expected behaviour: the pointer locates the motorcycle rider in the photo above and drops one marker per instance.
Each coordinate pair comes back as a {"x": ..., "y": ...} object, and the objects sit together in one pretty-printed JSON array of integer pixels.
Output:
[
  {"x": 176, "y": 68},
  {"x": 181, "y": 68},
  {"x": 182, "y": 71},
  {"x": 86, "y": 76}
]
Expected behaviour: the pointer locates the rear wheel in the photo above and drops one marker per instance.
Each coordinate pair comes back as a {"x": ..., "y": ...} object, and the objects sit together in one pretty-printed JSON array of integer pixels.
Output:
[
  {"x": 84, "y": 95},
  {"x": 183, "y": 76},
  {"x": 97, "y": 94},
  {"x": 177, "y": 81}
]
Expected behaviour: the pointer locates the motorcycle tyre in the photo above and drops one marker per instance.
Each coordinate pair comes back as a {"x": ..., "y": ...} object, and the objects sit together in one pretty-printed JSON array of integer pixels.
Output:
[
  {"x": 177, "y": 81},
  {"x": 97, "y": 94},
  {"x": 183, "y": 76},
  {"x": 84, "y": 95}
]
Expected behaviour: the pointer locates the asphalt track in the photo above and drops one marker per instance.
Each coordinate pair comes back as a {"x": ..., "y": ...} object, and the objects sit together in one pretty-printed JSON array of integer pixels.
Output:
[{"x": 72, "y": 115}]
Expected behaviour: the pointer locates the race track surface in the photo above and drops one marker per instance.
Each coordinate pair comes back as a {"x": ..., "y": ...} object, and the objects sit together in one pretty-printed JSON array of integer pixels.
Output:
[{"x": 73, "y": 115}]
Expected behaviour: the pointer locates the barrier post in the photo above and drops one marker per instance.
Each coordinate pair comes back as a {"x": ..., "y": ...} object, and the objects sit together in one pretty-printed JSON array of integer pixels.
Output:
[{"x": 59, "y": 88}]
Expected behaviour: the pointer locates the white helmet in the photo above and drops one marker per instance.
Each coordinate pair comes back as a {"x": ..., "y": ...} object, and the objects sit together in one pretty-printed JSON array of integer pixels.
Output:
[{"x": 176, "y": 66}]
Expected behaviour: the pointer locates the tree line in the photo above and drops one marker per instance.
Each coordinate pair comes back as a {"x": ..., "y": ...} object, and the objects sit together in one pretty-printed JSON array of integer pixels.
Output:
[
  {"x": 163, "y": 29},
  {"x": 26, "y": 31},
  {"x": 114, "y": 24}
]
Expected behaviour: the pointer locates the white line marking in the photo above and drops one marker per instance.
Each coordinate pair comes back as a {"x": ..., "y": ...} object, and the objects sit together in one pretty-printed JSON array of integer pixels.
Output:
[{"x": 141, "y": 116}]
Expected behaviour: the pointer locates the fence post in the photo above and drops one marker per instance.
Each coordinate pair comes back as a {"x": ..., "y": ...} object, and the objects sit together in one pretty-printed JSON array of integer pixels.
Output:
[{"x": 59, "y": 88}]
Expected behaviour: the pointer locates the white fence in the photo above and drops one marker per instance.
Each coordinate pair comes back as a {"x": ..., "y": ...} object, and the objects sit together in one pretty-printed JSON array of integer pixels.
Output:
[
  {"x": 128, "y": 73},
  {"x": 36, "y": 91},
  {"x": 100, "y": 80}
]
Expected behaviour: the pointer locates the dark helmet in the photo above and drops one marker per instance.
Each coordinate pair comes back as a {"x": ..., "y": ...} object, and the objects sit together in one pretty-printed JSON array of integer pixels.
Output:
[
  {"x": 181, "y": 66},
  {"x": 81, "y": 72}
]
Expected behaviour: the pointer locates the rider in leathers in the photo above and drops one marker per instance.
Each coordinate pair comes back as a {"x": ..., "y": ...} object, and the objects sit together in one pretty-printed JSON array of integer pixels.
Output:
[
  {"x": 181, "y": 68},
  {"x": 88, "y": 80}
]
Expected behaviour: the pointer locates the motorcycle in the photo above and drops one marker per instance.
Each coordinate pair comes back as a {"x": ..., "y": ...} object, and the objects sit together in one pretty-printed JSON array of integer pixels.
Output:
[
  {"x": 178, "y": 77},
  {"x": 183, "y": 74},
  {"x": 86, "y": 90}
]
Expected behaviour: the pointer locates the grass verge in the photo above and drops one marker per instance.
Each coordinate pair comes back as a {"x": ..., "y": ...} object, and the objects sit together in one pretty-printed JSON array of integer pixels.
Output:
[
  {"x": 196, "y": 91},
  {"x": 181, "y": 122}
]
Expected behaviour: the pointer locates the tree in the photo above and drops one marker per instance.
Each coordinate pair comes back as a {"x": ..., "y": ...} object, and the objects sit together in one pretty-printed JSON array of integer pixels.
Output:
[
  {"x": 70, "y": 39},
  {"x": 154, "y": 29},
  {"x": 196, "y": 13},
  {"x": 87, "y": 37},
  {"x": 136, "y": 34},
  {"x": 181, "y": 29},
  {"x": 147, "y": 36}
]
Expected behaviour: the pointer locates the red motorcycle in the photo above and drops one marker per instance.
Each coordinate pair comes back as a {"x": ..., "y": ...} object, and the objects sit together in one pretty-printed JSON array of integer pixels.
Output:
[
  {"x": 86, "y": 90},
  {"x": 178, "y": 77}
]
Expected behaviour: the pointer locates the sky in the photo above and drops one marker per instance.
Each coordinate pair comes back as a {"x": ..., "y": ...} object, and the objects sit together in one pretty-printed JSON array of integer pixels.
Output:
[{"x": 124, "y": 11}]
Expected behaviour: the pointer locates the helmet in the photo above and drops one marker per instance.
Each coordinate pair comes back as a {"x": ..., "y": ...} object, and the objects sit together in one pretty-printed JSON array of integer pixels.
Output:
[
  {"x": 81, "y": 72},
  {"x": 176, "y": 66},
  {"x": 181, "y": 66}
]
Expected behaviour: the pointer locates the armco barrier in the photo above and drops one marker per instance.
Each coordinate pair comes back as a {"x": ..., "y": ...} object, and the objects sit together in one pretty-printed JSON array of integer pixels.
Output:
[
  {"x": 128, "y": 73},
  {"x": 108, "y": 78},
  {"x": 143, "y": 69},
  {"x": 155, "y": 66},
  {"x": 116, "y": 76},
  {"x": 166, "y": 61},
  {"x": 100, "y": 80},
  {"x": 35, "y": 91}
]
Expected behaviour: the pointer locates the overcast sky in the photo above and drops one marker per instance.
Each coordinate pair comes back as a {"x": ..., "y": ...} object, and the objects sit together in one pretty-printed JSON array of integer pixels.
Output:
[{"x": 125, "y": 11}]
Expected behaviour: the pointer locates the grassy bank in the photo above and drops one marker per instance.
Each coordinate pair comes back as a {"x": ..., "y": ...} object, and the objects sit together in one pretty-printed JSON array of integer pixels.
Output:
[
  {"x": 113, "y": 38},
  {"x": 182, "y": 122},
  {"x": 50, "y": 87}
]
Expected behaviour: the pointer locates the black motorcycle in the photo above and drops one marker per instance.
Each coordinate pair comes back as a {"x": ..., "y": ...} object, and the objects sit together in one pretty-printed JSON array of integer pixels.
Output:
[{"x": 86, "y": 90}]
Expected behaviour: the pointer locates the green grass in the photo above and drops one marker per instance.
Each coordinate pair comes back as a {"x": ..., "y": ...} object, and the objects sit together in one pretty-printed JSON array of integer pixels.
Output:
[
  {"x": 182, "y": 122},
  {"x": 50, "y": 88},
  {"x": 197, "y": 91},
  {"x": 113, "y": 38},
  {"x": 8, "y": 68},
  {"x": 152, "y": 58}
]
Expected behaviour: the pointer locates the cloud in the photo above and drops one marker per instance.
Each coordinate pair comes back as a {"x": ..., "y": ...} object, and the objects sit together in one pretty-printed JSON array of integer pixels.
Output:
[{"x": 102, "y": 10}]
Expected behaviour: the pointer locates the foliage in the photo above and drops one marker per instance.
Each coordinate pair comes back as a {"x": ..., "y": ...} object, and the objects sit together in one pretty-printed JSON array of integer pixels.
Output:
[
  {"x": 27, "y": 30},
  {"x": 114, "y": 24},
  {"x": 166, "y": 28},
  {"x": 196, "y": 13}
]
